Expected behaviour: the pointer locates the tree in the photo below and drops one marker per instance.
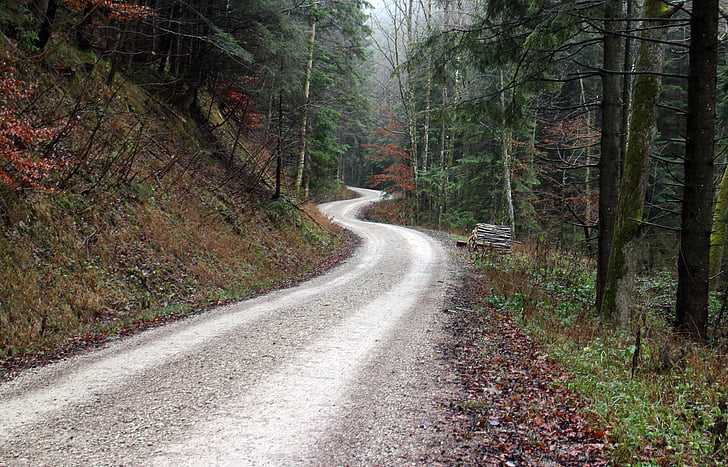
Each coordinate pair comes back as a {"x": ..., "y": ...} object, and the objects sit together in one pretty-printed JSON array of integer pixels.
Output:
[
  {"x": 610, "y": 158},
  {"x": 238, "y": 56},
  {"x": 46, "y": 11},
  {"x": 720, "y": 225},
  {"x": 396, "y": 48},
  {"x": 428, "y": 95},
  {"x": 306, "y": 97},
  {"x": 396, "y": 175},
  {"x": 693, "y": 257},
  {"x": 506, "y": 137},
  {"x": 633, "y": 185},
  {"x": 324, "y": 148}
]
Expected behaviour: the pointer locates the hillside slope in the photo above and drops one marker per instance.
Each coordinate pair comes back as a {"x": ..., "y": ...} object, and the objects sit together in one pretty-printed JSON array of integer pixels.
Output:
[{"x": 136, "y": 218}]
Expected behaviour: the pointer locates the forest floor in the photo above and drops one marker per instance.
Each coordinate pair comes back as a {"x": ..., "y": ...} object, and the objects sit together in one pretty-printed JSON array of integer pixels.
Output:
[
  {"x": 107, "y": 326},
  {"x": 513, "y": 408},
  {"x": 655, "y": 397}
]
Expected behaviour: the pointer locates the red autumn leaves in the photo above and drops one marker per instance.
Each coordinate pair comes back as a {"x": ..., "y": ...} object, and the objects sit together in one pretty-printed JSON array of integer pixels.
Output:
[
  {"x": 398, "y": 175},
  {"x": 515, "y": 410},
  {"x": 121, "y": 11},
  {"x": 244, "y": 106},
  {"x": 22, "y": 163}
]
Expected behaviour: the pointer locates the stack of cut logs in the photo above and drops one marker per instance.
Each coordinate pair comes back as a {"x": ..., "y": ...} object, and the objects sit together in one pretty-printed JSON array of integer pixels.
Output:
[{"x": 497, "y": 237}]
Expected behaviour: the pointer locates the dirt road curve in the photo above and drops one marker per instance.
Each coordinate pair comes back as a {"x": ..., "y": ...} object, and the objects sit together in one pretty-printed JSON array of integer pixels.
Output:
[{"x": 342, "y": 369}]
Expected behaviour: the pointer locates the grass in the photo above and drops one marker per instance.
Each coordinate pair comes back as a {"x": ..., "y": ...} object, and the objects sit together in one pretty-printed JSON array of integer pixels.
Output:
[
  {"x": 69, "y": 272},
  {"x": 669, "y": 412}
]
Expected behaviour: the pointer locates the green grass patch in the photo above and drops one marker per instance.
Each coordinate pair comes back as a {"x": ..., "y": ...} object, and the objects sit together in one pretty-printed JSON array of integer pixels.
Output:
[{"x": 670, "y": 412}]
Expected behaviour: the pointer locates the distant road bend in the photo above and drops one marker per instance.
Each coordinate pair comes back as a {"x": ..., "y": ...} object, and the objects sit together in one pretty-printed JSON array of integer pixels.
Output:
[{"x": 340, "y": 369}]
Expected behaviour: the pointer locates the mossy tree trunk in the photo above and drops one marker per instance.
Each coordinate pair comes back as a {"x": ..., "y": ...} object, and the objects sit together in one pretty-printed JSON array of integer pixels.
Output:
[
  {"x": 635, "y": 174},
  {"x": 627, "y": 80},
  {"x": 720, "y": 222},
  {"x": 610, "y": 144},
  {"x": 694, "y": 256}
]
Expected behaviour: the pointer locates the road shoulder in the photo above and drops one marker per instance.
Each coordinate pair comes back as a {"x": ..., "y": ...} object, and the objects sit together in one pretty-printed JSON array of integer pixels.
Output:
[{"x": 512, "y": 407}]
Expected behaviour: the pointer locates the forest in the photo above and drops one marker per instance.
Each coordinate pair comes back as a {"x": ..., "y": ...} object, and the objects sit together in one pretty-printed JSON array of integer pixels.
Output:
[
  {"x": 571, "y": 121},
  {"x": 592, "y": 129}
]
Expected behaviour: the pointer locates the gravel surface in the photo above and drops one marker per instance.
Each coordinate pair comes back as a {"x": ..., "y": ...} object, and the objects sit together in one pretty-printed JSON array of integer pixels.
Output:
[{"x": 346, "y": 368}]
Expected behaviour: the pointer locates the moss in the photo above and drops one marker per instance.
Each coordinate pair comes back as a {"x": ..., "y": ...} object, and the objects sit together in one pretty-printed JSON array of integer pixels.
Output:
[
  {"x": 64, "y": 54},
  {"x": 634, "y": 179},
  {"x": 17, "y": 21},
  {"x": 717, "y": 237}
]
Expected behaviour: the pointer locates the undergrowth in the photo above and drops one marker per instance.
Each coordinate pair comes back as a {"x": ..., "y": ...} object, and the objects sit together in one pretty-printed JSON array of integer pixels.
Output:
[
  {"x": 391, "y": 211},
  {"x": 171, "y": 230},
  {"x": 673, "y": 410},
  {"x": 333, "y": 191},
  {"x": 400, "y": 211}
]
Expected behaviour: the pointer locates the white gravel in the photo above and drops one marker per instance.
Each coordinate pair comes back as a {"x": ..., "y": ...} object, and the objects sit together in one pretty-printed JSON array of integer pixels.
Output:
[{"x": 343, "y": 369}]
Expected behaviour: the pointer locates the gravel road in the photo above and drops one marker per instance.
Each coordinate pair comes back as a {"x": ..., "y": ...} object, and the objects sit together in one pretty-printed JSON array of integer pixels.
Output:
[{"x": 342, "y": 369}]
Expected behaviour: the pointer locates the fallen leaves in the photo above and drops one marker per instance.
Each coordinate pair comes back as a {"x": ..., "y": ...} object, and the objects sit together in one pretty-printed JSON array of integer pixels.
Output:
[{"x": 515, "y": 409}]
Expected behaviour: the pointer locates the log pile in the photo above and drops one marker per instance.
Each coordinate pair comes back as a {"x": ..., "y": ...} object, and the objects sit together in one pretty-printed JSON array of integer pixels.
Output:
[{"x": 489, "y": 236}]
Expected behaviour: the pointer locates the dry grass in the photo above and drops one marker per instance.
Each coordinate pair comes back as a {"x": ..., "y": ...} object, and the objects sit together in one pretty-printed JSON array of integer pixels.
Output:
[{"x": 60, "y": 281}]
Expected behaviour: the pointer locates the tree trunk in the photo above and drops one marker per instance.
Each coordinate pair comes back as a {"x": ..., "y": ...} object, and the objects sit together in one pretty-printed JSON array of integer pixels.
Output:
[
  {"x": 168, "y": 40},
  {"x": 304, "y": 120},
  {"x": 428, "y": 95},
  {"x": 627, "y": 80},
  {"x": 81, "y": 36},
  {"x": 443, "y": 149},
  {"x": 175, "y": 64},
  {"x": 720, "y": 224},
  {"x": 307, "y": 177},
  {"x": 610, "y": 157},
  {"x": 506, "y": 136},
  {"x": 633, "y": 184},
  {"x": 442, "y": 201},
  {"x": 411, "y": 102},
  {"x": 588, "y": 211},
  {"x": 693, "y": 259},
  {"x": 279, "y": 146},
  {"x": 114, "y": 52},
  {"x": 269, "y": 116},
  {"x": 46, "y": 11}
]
